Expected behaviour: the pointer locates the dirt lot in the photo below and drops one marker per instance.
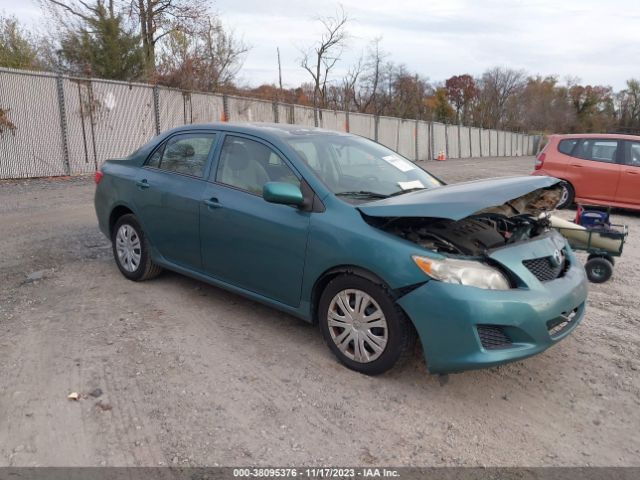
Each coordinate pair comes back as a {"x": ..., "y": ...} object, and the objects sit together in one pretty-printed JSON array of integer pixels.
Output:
[{"x": 193, "y": 375}]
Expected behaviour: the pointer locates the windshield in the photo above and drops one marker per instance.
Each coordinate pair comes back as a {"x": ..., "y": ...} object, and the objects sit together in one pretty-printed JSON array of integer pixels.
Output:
[{"x": 358, "y": 169}]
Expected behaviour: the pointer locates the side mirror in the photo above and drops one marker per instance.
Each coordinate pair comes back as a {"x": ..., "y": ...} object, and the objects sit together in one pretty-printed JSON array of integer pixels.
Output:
[{"x": 282, "y": 193}]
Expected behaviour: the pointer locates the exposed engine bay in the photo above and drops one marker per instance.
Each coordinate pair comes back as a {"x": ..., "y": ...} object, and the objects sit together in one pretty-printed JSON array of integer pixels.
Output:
[{"x": 516, "y": 220}]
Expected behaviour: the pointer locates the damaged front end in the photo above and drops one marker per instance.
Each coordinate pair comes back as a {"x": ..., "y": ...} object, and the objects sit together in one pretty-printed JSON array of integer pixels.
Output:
[{"x": 516, "y": 220}]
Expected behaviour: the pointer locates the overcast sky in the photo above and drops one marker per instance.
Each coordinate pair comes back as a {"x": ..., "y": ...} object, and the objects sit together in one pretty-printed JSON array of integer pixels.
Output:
[{"x": 598, "y": 42}]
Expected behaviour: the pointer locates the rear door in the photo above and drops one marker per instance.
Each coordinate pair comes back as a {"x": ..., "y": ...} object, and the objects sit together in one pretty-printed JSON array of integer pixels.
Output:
[
  {"x": 169, "y": 190},
  {"x": 594, "y": 170},
  {"x": 629, "y": 187}
]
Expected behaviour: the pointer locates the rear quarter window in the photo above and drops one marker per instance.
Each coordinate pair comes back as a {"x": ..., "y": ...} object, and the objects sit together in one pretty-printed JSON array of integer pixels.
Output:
[{"x": 567, "y": 146}]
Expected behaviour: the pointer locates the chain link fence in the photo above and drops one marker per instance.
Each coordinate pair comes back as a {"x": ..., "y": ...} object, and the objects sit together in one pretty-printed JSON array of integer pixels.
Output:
[{"x": 53, "y": 125}]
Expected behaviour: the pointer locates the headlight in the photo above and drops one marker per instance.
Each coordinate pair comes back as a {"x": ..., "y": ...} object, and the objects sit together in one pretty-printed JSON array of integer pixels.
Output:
[{"x": 463, "y": 272}]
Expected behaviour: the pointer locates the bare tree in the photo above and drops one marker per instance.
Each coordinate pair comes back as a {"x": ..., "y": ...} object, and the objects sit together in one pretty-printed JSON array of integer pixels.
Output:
[
  {"x": 208, "y": 60},
  {"x": 497, "y": 86},
  {"x": 158, "y": 18},
  {"x": 320, "y": 59},
  {"x": 374, "y": 65}
]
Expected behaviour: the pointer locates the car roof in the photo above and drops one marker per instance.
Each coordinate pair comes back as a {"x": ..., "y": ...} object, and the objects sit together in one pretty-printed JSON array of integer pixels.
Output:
[
  {"x": 619, "y": 136},
  {"x": 280, "y": 131}
]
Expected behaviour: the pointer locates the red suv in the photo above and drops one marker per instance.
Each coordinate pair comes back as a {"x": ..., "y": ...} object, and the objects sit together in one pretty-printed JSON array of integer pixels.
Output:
[{"x": 599, "y": 169}]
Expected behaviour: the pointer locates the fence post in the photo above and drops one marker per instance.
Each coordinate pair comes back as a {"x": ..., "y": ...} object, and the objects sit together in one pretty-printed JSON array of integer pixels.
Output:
[
  {"x": 156, "y": 108},
  {"x": 480, "y": 140},
  {"x": 470, "y": 142},
  {"x": 504, "y": 143},
  {"x": 63, "y": 123},
  {"x": 376, "y": 119},
  {"x": 432, "y": 142},
  {"x": 415, "y": 140},
  {"x": 347, "y": 127},
  {"x": 225, "y": 107},
  {"x": 446, "y": 141},
  {"x": 276, "y": 113}
]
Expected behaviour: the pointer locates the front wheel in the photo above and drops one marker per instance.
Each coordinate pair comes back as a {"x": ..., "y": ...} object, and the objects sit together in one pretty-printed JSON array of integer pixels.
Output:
[
  {"x": 131, "y": 250},
  {"x": 363, "y": 326}
]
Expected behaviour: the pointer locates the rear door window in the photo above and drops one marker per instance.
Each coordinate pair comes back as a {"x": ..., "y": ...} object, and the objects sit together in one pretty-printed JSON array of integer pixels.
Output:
[
  {"x": 185, "y": 153},
  {"x": 598, "y": 150},
  {"x": 632, "y": 154}
]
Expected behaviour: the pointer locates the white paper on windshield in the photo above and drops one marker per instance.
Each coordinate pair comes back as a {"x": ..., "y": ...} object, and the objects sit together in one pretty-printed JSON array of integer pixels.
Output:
[
  {"x": 410, "y": 185},
  {"x": 400, "y": 163}
]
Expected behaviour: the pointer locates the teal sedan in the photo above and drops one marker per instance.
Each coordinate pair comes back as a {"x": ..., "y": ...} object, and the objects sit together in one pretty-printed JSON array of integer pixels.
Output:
[{"x": 341, "y": 231}]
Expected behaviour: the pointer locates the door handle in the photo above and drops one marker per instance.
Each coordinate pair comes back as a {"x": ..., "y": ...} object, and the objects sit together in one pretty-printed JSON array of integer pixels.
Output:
[
  {"x": 142, "y": 184},
  {"x": 213, "y": 203},
  {"x": 576, "y": 165},
  {"x": 631, "y": 172}
]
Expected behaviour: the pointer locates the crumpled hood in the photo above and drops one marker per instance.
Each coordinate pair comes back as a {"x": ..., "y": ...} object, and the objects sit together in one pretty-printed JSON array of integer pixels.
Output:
[{"x": 457, "y": 201}]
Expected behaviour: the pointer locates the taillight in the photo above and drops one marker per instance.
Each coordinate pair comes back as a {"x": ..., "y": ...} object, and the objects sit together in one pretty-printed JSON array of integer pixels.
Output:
[
  {"x": 540, "y": 160},
  {"x": 98, "y": 177}
]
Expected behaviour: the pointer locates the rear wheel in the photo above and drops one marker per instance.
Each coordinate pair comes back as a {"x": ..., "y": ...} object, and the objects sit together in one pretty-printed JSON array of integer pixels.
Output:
[
  {"x": 598, "y": 269},
  {"x": 363, "y": 326},
  {"x": 567, "y": 195},
  {"x": 131, "y": 250}
]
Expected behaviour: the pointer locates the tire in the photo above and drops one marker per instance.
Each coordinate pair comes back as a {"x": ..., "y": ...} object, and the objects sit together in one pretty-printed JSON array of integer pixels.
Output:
[
  {"x": 598, "y": 269},
  {"x": 391, "y": 341},
  {"x": 135, "y": 263},
  {"x": 568, "y": 195},
  {"x": 601, "y": 255}
]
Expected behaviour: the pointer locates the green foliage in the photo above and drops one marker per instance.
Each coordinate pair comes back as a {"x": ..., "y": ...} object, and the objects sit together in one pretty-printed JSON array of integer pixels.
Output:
[
  {"x": 439, "y": 105},
  {"x": 18, "y": 48},
  {"x": 101, "y": 46}
]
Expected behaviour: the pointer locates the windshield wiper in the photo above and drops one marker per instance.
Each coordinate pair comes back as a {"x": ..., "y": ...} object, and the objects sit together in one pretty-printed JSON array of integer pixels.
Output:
[
  {"x": 402, "y": 192},
  {"x": 362, "y": 193}
]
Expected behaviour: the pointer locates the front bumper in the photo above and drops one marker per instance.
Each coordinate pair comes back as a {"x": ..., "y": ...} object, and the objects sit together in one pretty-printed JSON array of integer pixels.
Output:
[{"x": 447, "y": 316}]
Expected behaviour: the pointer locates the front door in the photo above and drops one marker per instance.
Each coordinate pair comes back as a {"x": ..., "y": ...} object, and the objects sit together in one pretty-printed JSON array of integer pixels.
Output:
[
  {"x": 245, "y": 240},
  {"x": 629, "y": 187},
  {"x": 169, "y": 189}
]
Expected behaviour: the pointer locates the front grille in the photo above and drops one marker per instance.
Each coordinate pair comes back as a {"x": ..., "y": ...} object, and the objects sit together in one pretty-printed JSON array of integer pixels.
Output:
[
  {"x": 559, "y": 324},
  {"x": 545, "y": 269},
  {"x": 493, "y": 337}
]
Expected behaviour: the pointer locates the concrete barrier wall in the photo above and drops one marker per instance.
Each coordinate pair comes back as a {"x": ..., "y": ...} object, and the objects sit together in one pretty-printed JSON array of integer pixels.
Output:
[
  {"x": 439, "y": 132},
  {"x": 424, "y": 141},
  {"x": 465, "y": 142},
  {"x": 363, "y": 125},
  {"x": 407, "y": 139},
  {"x": 453, "y": 142},
  {"x": 303, "y": 116},
  {"x": 484, "y": 142},
  {"x": 388, "y": 132},
  {"x": 334, "y": 120}
]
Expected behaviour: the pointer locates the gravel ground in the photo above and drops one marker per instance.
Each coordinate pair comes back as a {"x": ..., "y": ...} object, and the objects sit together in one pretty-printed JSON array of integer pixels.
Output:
[{"x": 192, "y": 375}]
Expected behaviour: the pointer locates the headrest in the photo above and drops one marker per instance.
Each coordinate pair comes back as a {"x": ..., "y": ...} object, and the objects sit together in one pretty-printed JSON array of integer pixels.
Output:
[{"x": 237, "y": 157}]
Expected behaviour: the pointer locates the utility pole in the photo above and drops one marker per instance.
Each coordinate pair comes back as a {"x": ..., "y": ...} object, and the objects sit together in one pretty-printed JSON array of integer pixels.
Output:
[{"x": 280, "y": 72}]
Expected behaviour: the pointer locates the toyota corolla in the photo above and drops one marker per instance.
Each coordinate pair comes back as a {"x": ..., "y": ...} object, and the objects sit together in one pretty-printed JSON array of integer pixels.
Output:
[{"x": 343, "y": 232}]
